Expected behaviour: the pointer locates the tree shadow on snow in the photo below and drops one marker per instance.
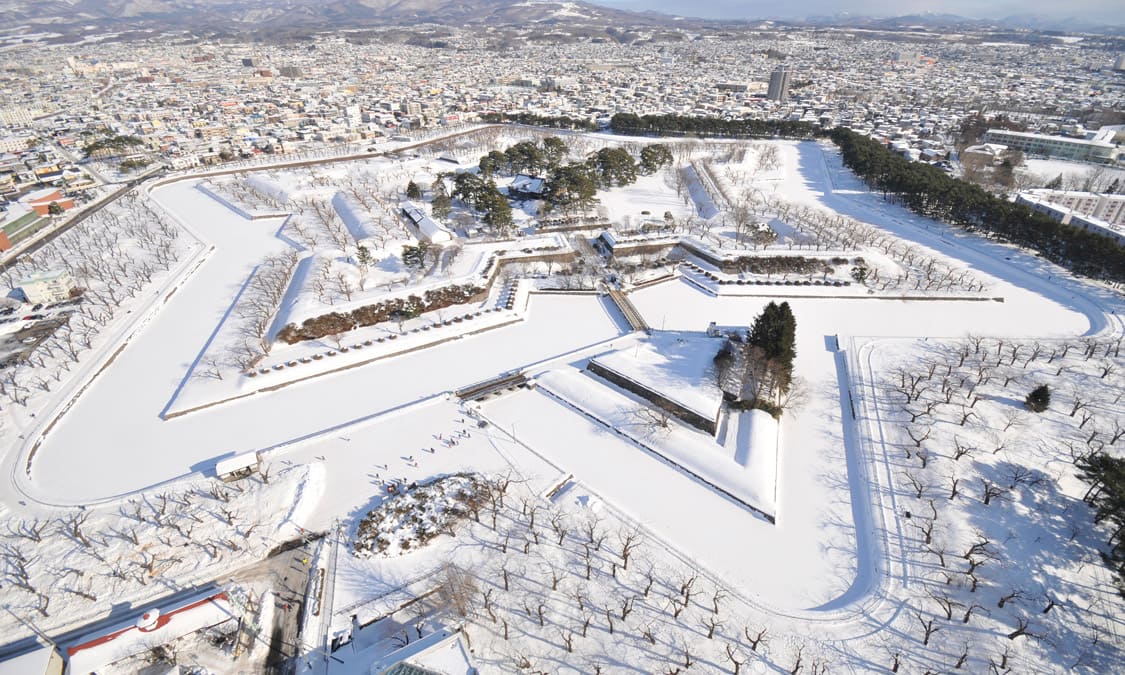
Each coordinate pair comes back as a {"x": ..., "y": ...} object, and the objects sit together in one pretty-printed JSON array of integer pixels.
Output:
[{"x": 986, "y": 256}]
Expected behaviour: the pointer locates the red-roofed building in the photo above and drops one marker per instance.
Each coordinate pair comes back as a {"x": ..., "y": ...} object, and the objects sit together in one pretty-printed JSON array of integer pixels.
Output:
[
  {"x": 40, "y": 201},
  {"x": 152, "y": 629}
]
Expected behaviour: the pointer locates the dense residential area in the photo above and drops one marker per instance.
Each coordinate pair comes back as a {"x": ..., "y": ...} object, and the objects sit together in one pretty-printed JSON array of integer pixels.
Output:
[{"x": 79, "y": 115}]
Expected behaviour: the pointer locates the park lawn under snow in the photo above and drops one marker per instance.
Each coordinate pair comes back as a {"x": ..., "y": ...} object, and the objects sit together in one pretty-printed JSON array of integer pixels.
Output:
[
  {"x": 190, "y": 531},
  {"x": 678, "y": 365},
  {"x": 991, "y": 484},
  {"x": 625, "y": 206},
  {"x": 740, "y": 469},
  {"x": 840, "y": 558}
]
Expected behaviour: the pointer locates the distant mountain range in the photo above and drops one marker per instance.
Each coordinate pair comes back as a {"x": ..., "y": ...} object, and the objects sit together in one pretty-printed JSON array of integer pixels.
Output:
[
  {"x": 234, "y": 16},
  {"x": 953, "y": 22},
  {"x": 257, "y": 15}
]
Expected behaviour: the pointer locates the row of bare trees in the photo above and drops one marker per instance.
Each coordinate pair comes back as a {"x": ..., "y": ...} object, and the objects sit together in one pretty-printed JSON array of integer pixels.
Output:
[
  {"x": 971, "y": 459},
  {"x": 113, "y": 255},
  {"x": 85, "y": 557},
  {"x": 818, "y": 229},
  {"x": 584, "y": 589}
]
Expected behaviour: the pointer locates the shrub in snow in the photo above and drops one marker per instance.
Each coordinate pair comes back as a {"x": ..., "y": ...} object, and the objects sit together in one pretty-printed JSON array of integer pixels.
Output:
[
  {"x": 409, "y": 520},
  {"x": 336, "y": 322},
  {"x": 1039, "y": 399},
  {"x": 760, "y": 264}
]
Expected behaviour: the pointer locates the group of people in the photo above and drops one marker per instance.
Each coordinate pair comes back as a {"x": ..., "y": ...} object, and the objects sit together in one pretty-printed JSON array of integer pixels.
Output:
[{"x": 449, "y": 441}]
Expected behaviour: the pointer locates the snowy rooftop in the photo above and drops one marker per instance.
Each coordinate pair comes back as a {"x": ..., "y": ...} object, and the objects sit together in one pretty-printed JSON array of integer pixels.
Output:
[
  {"x": 442, "y": 652},
  {"x": 49, "y": 275},
  {"x": 35, "y": 661},
  {"x": 427, "y": 227},
  {"x": 153, "y": 628},
  {"x": 527, "y": 184}
]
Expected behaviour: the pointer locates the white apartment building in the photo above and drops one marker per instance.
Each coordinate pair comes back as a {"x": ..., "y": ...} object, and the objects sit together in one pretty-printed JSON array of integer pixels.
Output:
[
  {"x": 1084, "y": 150},
  {"x": 1108, "y": 208},
  {"x": 47, "y": 287},
  {"x": 1070, "y": 216}
]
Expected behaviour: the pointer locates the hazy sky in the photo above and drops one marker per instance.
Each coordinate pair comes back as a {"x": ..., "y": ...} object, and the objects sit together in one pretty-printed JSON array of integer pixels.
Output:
[{"x": 1107, "y": 11}]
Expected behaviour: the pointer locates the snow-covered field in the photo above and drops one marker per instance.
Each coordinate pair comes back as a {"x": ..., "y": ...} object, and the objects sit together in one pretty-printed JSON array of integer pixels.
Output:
[
  {"x": 843, "y": 578},
  {"x": 1075, "y": 175}
]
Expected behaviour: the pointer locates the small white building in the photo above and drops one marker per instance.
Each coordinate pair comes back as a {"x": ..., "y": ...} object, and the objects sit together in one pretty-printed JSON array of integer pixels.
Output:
[
  {"x": 238, "y": 466},
  {"x": 526, "y": 186},
  {"x": 47, "y": 287},
  {"x": 428, "y": 228},
  {"x": 38, "y": 661}
]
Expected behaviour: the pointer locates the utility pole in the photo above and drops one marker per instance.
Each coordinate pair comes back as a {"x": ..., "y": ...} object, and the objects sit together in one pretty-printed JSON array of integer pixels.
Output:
[{"x": 35, "y": 629}]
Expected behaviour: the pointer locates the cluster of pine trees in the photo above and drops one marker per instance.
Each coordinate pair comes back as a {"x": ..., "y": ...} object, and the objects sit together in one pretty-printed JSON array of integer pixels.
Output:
[
  {"x": 930, "y": 192},
  {"x": 577, "y": 183},
  {"x": 111, "y": 145},
  {"x": 678, "y": 125},
  {"x": 551, "y": 121},
  {"x": 773, "y": 343},
  {"x": 1106, "y": 475},
  {"x": 574, "y": 184},
  {"x": 483, "y": 196},
  {"x": 525, "y": 157},
  {"x": 758, "y": 373}
]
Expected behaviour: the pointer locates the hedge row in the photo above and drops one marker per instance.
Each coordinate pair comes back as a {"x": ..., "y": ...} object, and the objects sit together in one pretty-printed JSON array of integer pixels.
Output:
[{"x": 389, "y": 310}]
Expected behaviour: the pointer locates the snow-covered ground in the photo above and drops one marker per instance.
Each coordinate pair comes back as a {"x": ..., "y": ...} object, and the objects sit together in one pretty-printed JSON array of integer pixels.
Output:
[
  {"x": 677, "y": 365},
  {"x": 1075, "y": 175},
  {"x": 840, "y": 570},
  {"x": 647, "y": 200}
]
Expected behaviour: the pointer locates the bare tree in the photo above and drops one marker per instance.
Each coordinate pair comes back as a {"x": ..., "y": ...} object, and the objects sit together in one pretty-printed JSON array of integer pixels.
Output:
[
  {"x": 919, "y": 487},
  {"x": 457, "y": 589},
  {"x": 928, "y": 628},
  {"x": 1013, "y": 594},
  {"x": 969, "y": 609},
  {"x": 755, "y": 639},
  {"x": 628, "y": 541},
  {"x": 946, "y": 603},
  {"x": 1022, "y": 628},
  {"x": 736, "y": 658},
  {"x": 990, "y": 490},
  {"x": 711, "y": 623}
]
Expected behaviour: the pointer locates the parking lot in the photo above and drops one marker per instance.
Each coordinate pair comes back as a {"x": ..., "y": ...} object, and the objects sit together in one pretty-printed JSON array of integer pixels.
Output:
[{"x": 24, "y": 329}]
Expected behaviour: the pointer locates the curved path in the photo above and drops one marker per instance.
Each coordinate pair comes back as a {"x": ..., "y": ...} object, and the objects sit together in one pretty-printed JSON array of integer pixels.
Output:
[
  {"x": 113, "y": 442},
  {"x": 839, "y": 534}
]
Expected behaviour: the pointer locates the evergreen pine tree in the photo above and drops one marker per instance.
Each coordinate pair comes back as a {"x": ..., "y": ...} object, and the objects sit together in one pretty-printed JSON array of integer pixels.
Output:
[
  {"x": 774, "y": 332},
  {"x": 413, "y": 191},
  {"x": 441, "y": 204},
  {"x": 1039, "y": 399}
]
